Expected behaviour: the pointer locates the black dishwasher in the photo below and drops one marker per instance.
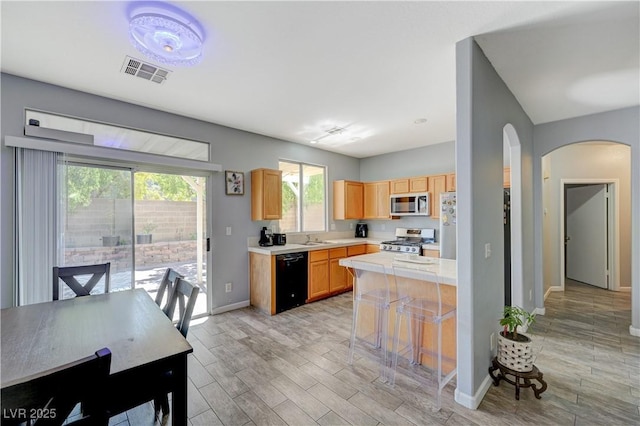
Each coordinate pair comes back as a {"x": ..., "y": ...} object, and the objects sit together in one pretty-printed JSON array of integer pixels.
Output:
[{"x": 291, "y": 280}]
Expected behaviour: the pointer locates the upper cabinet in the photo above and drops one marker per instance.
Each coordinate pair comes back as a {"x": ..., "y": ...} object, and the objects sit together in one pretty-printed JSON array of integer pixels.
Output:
[
  {"x": 266, "y": 194},
  {"x": 407, "y": 185},
  {"x": 348, "y": 200},
  {"x": 451, "y": 182},
  {"x": 506, "y": 177},
  {"x": 376, "y": 200},
  {"x": 437, "y": 185}
]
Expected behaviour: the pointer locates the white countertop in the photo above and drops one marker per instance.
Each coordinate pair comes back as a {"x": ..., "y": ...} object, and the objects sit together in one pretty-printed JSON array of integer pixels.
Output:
[
  {"x": 326, "y": 244},
  {"x": 445, "y": 268}
]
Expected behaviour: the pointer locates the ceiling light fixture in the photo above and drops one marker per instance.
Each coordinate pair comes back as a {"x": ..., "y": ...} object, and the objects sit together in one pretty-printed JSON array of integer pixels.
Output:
[
  {"x": 420, "y": 121},
  {"x": 335, "y": 130},
  {"x": 166, "y": 34}
]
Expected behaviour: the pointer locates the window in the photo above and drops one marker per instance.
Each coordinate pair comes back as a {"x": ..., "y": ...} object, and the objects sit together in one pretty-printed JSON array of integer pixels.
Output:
[{"x": 304, "y": 197}]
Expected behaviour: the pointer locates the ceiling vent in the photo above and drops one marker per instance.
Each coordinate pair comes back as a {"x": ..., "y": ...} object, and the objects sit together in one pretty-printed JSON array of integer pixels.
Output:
[{"x": 145, "y": 70}]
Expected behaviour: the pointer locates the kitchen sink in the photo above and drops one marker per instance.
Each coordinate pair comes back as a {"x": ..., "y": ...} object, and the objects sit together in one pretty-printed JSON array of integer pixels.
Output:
[{"x": 314, "y": 243}]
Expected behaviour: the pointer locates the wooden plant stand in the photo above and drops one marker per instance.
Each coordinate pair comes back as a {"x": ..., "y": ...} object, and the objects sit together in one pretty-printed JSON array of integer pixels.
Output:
[{"x": 522, "y": 379}]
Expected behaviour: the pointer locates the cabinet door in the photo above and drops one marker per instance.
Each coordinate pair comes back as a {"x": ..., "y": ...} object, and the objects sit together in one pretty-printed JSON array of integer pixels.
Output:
[
  {"x": 451, "y": 182},
  {"x": 506, "y": 177},
  {"x": 318, "y": 279},
  {"x": 437, "y": 185},
  {"x": 376, "y": 200},
  {"x": 419, "y": 184},
  {"x": 266, "y": 194},
  {"x": 400, "y": 186},
  {"x": 337, "y": 276},
  {"x": 348, "y": 200},
  {"x": 430, "y": 253},
  {"x": 356, "y": 250},
  {"x": 373, "y": 248}
]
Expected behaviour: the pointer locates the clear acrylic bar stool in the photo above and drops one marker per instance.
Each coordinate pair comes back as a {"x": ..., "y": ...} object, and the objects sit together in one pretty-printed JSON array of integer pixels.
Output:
[
  {"x": 421, "y": 304},
  {"x": 373, "y": 293}
]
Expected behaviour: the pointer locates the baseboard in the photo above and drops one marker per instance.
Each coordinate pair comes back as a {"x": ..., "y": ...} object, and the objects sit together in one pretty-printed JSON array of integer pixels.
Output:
[
  {"x": 625, "y": 289},
  {"x": 539, "y": 311},
  {"x": 634, "y": 331},
  {"x": 550, "y": 289},
  {"x": 474, "y": 401},
  {"x": 231, "y": 307}
]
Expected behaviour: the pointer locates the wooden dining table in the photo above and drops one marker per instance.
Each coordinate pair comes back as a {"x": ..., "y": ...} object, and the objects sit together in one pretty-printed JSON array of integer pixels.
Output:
[{"x": 143, "y": 342}]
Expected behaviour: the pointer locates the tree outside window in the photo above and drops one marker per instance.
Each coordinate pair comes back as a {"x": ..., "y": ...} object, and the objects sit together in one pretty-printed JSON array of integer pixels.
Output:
[{"x": 303, "y": 197}]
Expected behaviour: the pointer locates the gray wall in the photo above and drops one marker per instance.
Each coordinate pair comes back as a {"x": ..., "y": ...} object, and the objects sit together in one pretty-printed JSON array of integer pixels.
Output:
[
  {"x": 616, "y": 126},
  {"x": 233, "y": 149},
  {"x": 589, "y": 160},
  {"x": 484, "y": 106}
]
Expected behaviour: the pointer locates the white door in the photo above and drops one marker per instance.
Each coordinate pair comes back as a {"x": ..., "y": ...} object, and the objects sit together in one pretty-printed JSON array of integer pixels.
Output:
[{"x": 586, "y": 234}]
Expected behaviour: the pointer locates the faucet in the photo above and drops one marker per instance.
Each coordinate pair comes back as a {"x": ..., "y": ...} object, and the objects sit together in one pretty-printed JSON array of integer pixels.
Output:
[{"x": 308, "y": 238}]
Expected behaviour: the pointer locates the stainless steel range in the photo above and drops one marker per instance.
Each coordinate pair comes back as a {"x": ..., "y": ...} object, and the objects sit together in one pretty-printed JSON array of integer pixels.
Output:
[{"x": 409, "y": 240}]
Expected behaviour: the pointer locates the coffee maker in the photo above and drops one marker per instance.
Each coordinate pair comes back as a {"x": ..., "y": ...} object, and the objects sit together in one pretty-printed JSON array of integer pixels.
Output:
[
  {"x": 266, "y": 237},
  {"x": 361, "y": 230}
]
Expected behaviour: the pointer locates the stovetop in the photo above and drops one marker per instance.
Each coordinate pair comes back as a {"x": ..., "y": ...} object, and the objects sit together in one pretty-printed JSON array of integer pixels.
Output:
[{"x": 409, "y": 240}]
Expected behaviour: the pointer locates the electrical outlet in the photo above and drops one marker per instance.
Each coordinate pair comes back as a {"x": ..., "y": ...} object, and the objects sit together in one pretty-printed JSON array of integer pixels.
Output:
[
  {"x": 492, "y": 339},
  {"x": 530, "y": 295},
  {"x": 487, "y": 250},
  {"x": 382, "y": 227},
  {"x": 227, "y": 287},
  {"x": 333, "y": 226},
  {"x": 228, "y": 230}
]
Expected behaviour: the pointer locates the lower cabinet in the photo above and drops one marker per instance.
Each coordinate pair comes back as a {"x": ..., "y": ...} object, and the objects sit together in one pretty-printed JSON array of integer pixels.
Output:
[
  {"x": 338, "y": 275},
  {"x": 430, "y": 253},
  {"x": 318, "y": 275}
]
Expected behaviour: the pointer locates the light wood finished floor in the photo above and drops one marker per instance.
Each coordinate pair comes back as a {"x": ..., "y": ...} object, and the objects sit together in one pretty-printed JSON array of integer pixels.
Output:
[{"x": 249, "y": 368}]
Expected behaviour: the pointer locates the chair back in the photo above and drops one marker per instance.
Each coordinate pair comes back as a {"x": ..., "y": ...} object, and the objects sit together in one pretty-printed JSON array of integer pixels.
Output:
[
  {"x": 420, "y": 288},
  {"x": 69, "y": 275},
  {"x": 166, "y": 287},
  {"x": 57, "y": 392},
  {"x": 372, "y": 279},
  {"x": 184, "y": 295}
]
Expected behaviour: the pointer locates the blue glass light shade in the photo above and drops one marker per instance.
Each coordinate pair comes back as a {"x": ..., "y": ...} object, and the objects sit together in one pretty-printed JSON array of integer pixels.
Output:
[{"x": 165, "y": 39}]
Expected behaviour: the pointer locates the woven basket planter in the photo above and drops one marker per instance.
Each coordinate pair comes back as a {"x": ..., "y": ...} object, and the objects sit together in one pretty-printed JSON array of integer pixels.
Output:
[{"x": 515, "y": 355}]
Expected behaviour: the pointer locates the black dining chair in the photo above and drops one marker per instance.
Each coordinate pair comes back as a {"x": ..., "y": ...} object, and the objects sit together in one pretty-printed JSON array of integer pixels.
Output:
[
  {"x": 70, "y": 274},
  {"x": 49, "y": 398},
  {"x": 166, "y": 287},
  {"x": 183, "y": 297}
]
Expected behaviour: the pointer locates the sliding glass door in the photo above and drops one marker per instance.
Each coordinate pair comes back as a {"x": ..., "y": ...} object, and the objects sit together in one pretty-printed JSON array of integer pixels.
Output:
[
  {"x": 142, "y": 222},
  {"x": 96, "y": 223}
]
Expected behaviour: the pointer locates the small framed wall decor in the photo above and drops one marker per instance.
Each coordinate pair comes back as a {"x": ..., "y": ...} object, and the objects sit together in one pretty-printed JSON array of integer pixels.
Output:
[{"x": 234, "y": 183}]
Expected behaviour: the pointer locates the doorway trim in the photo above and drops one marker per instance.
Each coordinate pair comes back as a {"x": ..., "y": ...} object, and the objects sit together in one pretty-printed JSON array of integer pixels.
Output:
[
  {"x": 510, "y": 136},
  {"x": 613, "y": 224}
]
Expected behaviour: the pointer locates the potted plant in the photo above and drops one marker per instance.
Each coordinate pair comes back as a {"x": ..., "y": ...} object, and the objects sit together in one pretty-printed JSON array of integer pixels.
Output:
[
  {"x": 515, "y": 351},
  {"x": 146, "y": 237}
]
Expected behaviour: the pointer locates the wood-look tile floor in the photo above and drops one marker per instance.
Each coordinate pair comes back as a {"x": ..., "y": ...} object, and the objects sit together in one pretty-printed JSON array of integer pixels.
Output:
[{"x": 249, "y": 368}]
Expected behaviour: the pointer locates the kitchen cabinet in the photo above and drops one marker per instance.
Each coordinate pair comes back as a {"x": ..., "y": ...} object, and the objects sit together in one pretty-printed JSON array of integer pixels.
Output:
[
  {"x": 407, "y": 185},
  {"x": 451, "y": 182},
  {"x": 506, "y": 177},
  {"x": 318, "y": 279},
  {"x": 348, "y": 200},
  {"x": 431, "y": 253},
  {"x": 262, "y": 282},
  {"x": 373, "y": 248},
  {"x": 437, "y": 185},
  {"x": 356, "y": 250},
  {"x": 338, "y": 275},
  {"x": 266, "y": 194},
  {"x": 376, "y": 200}
]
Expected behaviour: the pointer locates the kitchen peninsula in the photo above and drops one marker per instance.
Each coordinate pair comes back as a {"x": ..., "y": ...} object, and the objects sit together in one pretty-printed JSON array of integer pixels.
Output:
[{"x": 414, "y": 269}]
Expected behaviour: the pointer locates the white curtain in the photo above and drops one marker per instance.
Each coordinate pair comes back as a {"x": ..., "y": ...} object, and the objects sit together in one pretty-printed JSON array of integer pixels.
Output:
[{"x": 36, "y": 225}]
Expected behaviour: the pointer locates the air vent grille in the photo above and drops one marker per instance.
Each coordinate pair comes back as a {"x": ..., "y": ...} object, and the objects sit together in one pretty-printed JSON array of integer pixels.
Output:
[{"x": 147, "y": 71}]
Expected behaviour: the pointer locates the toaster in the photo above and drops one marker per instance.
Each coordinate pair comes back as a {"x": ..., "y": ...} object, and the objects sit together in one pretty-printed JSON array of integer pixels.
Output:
[{"x": 279, "y": 239}]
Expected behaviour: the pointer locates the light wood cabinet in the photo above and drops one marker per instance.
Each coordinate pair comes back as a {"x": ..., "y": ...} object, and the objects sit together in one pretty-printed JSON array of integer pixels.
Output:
[
  {"x": 376, "y": 200},
  {"x": 437, "y": 185},
  {"x": 266, "y": 194},
  {"x": 373, "y": 248},
  {"x": 348, "y": 200},
  {"x": 338, "y": 275},
  {"x": 407, "y": 185},
  {"x": 506, "y": 177},
  {"x": 356, "y": 250},
  {"x": 451, "y": 182},
  {"x": 431, "y": 253},
  {"x": 318, "y": 279}
]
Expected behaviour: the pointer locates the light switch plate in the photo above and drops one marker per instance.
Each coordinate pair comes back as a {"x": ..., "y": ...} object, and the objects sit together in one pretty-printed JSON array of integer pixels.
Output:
[{"x": 228, "y": 230}]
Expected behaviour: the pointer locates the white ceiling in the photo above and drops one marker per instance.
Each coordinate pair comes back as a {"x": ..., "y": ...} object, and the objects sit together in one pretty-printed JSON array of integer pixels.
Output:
[{"x": 293, "y": 70}]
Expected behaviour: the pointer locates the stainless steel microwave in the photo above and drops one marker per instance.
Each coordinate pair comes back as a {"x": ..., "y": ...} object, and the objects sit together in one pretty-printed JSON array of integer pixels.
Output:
[{"x": 416, "y": 204}]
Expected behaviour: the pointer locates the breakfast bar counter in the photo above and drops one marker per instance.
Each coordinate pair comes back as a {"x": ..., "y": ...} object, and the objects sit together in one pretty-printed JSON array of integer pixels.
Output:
[{"x": 414, "y": 269}]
